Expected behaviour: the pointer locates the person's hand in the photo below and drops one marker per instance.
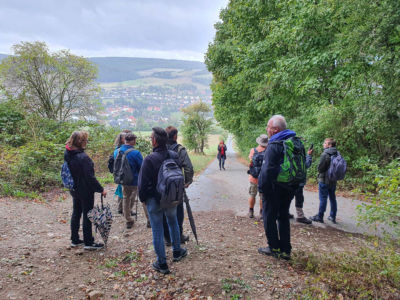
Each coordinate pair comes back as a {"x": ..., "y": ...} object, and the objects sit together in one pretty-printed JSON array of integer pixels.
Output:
[
  {"x": 104, "y": 194},
  {"x": 310, "y": 152},
  {"x": 187, "y": 185}
]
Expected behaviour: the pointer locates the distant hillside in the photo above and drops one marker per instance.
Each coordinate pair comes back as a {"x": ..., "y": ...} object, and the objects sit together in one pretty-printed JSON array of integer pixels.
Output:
[
  {"x": 117, "y": 69},
  {"x": 121, "y": 69}
]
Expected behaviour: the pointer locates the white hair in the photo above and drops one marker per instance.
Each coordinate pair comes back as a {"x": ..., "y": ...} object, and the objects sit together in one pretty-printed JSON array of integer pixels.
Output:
[{"x": 278, "y": 121}]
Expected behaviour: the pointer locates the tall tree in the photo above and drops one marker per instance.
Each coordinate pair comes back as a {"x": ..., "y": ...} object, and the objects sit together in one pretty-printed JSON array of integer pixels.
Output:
[
  {"x": 53, "y": 85},
  {"x": 197, "y": 122}
]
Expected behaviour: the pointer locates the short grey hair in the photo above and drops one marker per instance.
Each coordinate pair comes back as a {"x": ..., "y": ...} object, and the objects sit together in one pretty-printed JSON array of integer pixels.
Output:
[{"x": 278, "y": 121}]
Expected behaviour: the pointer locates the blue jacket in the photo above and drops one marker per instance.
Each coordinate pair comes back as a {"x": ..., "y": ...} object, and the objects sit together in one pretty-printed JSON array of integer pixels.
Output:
[
  {"x": 135, "y": 160},
  {"x": 273, "y": 159}
]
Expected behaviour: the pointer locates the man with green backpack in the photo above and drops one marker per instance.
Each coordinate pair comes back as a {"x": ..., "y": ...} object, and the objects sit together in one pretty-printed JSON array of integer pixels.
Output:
[{"x": 281, "y": 174}]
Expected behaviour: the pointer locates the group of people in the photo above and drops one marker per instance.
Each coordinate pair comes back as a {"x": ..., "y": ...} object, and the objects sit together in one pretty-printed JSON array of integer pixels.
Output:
[
  {"x": 276, "y": 196},
  {"x": 167, "y": 224}
]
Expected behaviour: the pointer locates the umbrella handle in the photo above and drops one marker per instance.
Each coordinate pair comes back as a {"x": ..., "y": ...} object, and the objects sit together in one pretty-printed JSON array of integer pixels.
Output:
[{"x": 101, "y": 198}]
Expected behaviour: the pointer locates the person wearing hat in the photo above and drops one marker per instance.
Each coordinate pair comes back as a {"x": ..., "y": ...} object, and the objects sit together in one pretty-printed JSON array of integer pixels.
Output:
[
  {"x": 135, "y": 160},
  {"x": 256, "y": 157}
]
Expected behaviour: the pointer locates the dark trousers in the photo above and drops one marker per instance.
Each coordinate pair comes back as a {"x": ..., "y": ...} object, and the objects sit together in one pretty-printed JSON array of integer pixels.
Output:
[
  {"x": 81, "y": 205},
  {"x": 276, "y": 210},
  {"x": 222, "y": 163},
  {"x": 180, "y": 214},
  {"x": 299, "y": 197},
  {"x": 326, "y": 191}
]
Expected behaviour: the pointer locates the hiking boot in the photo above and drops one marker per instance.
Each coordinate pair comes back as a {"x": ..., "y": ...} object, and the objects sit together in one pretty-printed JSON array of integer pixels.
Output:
[
  {"x": 317, "y": 218},
  {"x": 129, "y": 225},
  {"x": 268, "y": 251},
  {"x": 184, "y": 238},
  {"x": 304, "y": 220},
  {"x": 77, "y": 243},
  {"x": 284, "y": 255},
  {"x": 251, "y": 213},
  {"x": 94, "y": 247},
  {"x": 162, "y": 268},
  {"x": 332, "y": 219},
  {"x": 148, "y": 224},
  {"x": 291, "y": 216},
  {"x": 179, "y": 254}
]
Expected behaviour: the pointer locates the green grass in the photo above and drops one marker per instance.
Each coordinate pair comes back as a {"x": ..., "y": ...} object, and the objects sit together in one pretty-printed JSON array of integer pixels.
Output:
[{"x": 201, "y": 161}]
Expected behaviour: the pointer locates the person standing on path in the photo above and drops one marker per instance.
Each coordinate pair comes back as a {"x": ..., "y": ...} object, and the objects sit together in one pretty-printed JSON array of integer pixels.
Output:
[
  {"x": 256, "y": 157},
  {"x": 147, "y": 184},
  {"x": 326, "y": 188},
  {"x": 221, "y": 154},
  {"x": 299, "y": 194},
  {"x": 119, "y": 141},
  {"x": 276, "y": 196},
  {"x": 85, "y": 185},
  {"x": 188, "y": 172},
  {"x": 135, "y": 160}
]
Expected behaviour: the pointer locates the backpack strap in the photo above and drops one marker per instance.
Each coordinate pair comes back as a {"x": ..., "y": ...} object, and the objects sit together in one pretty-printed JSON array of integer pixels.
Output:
[{"x": 255, "y": 151}]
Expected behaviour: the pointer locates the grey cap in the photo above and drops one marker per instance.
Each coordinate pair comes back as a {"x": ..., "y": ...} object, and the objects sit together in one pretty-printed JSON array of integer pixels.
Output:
[{"x": 262, "y": 140}]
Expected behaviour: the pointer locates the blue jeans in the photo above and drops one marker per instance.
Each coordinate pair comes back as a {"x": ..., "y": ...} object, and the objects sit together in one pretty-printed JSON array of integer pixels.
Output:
[
  {"x": 222, "y": 162},
  {"x": 156, "y": 221},
  {"x": 325, "y": 191}
]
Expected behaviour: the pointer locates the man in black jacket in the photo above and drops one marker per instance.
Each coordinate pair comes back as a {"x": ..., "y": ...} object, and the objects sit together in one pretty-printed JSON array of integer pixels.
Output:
[
  {"x": 325, "y": 187},
  {"x": 187, "y": 166},
  {"x": 276, "y": 196},
  {"x": 147, "y": 185}
]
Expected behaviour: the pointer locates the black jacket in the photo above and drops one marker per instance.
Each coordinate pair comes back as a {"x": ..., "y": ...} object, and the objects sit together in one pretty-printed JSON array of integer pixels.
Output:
[
  {"x": 184, "y": 160},
  {"x": 324, "y": 163},
  {"x": 148, "y": 175},
  {"x": 82, "y": 171},
  {"x": 219, "y": 156}
]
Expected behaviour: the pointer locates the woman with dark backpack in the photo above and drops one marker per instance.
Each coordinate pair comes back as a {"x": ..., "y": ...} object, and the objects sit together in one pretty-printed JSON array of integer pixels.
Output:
[
  {"x": 85, "y": 185},
  {"x": 221, "y": 154},
  {"x": 119, "y": 141}
]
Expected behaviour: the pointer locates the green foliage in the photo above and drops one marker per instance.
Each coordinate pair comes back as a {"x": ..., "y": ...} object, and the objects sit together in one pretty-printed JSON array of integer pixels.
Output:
[
  {"x": 369, "y": 273},
  {"x": 385, "y": 205},
  {"x": 330, "y": 67},
  {"x": 196, "y": 126},
  {"x": 52, "y": 85}
]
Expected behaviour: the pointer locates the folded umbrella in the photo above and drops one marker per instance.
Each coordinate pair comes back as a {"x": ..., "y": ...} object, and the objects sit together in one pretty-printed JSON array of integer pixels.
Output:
[
  {"x": 190, "y": 216},
  {"x": 102, "y": 219}
]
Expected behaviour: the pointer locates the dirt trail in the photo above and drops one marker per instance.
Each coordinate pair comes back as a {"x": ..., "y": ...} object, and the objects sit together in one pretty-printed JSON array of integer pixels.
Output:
[{"x": 36, "y": 261}]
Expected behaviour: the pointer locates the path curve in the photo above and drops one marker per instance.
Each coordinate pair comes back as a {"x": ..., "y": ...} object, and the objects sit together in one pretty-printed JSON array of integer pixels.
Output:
[{"x": 215, "y": 190}]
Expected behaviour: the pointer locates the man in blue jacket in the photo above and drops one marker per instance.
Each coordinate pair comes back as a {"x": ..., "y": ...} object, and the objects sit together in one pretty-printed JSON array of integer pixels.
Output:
[
  {"x": 276, "y": 196},
  {"x": 147, "y": 184},
  {"x": 135, "y": 160}
]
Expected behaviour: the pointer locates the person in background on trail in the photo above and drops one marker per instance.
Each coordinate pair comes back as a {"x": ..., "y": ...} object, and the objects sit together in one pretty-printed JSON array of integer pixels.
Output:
[
  {"x": 85, "y": 185},
  {"x": 135, "y": 160},
  {"x": 256, "y": 157},
  {"x": 221, "y": 154},
  {"x": 119, "y": 141},
  {"x": 325, "y": 187},
  {"x": 188, "y": 172},
  {"x": 276, "y": 195},
  {"x": 299, "y": 196},
  {"x": 147, "y": 185}
]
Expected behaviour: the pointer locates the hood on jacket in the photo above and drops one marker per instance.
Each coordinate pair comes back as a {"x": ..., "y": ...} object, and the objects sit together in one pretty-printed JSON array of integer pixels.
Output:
[
  {"x": 331, "y": 151},
  {"x": 282, "y": 135}
]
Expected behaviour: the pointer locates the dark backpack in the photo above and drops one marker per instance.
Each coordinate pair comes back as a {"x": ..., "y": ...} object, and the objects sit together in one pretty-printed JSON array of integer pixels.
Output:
[
  {"x": 170, "y": 182},
  {"x": 122, "y": 169},
  {"x": 256, "y": 163},
  {"x": 66, "y": 176},
  {"x": 293, "y": 169},
  {"x": 337, "y": 168},
  {"x": 110, "y": 163}
]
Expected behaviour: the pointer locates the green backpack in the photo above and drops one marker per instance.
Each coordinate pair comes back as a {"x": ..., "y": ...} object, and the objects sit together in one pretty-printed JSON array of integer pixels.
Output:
[{"x": 293, "y": 168}]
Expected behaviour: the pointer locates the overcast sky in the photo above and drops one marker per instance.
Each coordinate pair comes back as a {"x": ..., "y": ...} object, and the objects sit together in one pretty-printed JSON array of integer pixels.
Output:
[{"x": 175, "y": 29}]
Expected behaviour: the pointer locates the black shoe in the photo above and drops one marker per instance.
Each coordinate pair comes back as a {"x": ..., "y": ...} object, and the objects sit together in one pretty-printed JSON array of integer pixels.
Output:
[
  {"x": 163, "y": 269},
  {"x": 181, "y": 254},
  {"x": 268, "y": 251},
  {"x": 284, "y": 255},
  {"x": 332, "y": 219},
  {"x": 148, "y": 224},
  {"x": 184, "y": 238},
  {"x": 304, "y": 220},
  {"x": 291, "y": 216},
  {"x": 94, "y": 247},
  {"x": 77, "y": 243},
  {"x": 129, "y": 225},
  {"x": 317, "y": 218},
  {"x": 251, "y": 213},
  {"x": 168, "y": 242}
]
